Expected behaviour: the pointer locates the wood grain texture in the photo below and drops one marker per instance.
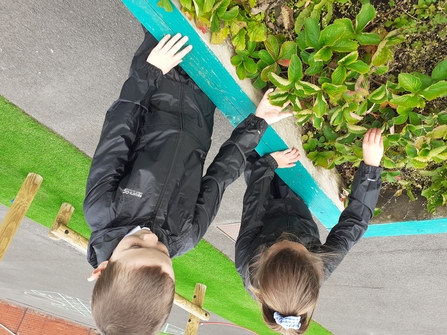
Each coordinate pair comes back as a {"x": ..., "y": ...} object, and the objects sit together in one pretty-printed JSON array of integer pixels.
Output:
[{"x": 17, "y": 211}]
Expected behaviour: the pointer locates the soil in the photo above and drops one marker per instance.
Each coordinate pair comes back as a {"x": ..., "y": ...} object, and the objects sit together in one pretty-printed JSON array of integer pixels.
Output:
[{"x": 424, "y": 47}]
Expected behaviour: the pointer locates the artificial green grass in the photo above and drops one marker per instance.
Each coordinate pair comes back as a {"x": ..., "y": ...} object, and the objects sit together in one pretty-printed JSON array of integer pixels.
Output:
[{"x": 28, "y": 146}]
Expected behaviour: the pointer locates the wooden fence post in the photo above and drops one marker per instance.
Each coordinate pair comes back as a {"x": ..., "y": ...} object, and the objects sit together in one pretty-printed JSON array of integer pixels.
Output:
[
  {"x": 192, "y": 327},
  {"x": 17, "y": 211}
]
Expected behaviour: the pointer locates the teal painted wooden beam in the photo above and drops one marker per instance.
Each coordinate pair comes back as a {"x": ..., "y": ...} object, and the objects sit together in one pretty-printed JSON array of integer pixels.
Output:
[{"x": 213, "y": 78}]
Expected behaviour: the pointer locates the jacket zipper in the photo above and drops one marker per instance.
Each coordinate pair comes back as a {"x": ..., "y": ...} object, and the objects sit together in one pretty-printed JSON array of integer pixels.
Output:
[{"x": 160, "y": 198}]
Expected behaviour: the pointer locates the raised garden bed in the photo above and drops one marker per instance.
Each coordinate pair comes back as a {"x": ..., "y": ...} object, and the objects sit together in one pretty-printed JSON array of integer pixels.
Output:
[{"x": 357, "y": 84}]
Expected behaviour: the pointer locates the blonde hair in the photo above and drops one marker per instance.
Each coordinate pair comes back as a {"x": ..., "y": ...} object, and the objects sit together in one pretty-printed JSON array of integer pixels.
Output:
[
  {"x": 287, "y": 281},
  {"x": 132, "y": 300}
]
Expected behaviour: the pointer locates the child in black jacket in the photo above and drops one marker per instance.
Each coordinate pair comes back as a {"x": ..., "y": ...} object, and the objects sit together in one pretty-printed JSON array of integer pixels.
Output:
[
  {"x": 278, "y": 251},
  {"x": 146, "y": 199}
]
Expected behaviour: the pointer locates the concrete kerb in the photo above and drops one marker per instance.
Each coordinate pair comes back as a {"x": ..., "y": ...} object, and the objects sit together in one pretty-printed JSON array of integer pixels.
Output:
[{"x": 209, "y": 65}]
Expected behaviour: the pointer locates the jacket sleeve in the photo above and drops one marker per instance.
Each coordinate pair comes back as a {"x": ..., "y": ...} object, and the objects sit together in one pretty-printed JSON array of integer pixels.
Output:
[
  {"x": 225, "y": 168},
  {"x": 353, "y": 221},
  {"x": 259, "y": 175},
  {"x": 118, "y": 135}
]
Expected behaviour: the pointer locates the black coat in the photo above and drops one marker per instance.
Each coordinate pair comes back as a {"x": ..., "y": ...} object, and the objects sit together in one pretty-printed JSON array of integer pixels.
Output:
[
  {"x": 266, "y": 217},
  {"x": 148, "y": 166}
]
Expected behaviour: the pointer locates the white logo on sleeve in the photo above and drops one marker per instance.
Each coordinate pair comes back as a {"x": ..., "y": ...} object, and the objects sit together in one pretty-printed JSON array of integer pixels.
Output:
[{"x": 132, "y": 192}]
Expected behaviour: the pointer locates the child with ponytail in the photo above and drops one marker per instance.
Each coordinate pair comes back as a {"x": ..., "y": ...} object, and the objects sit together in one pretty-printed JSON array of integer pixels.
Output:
[{"x": 279, "y": 254}]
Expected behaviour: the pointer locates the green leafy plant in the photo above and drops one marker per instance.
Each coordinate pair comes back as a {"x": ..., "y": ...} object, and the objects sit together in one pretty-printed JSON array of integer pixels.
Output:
[{"x": 335, "y": 75}]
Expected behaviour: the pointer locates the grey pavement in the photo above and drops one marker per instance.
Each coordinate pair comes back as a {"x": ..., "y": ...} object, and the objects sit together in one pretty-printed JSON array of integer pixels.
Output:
[{"x": 64, "y": 62}]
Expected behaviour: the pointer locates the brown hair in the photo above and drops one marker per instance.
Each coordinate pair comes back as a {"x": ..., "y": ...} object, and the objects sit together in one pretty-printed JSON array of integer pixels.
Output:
[
  {"x": 287, "y": 281},
  {"x": 132, "y": 300}
]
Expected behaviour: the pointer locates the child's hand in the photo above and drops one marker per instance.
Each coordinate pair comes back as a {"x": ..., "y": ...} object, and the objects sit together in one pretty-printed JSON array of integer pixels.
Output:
[
  {"x": 270, "y": 113},
  {"x": 165, "y": 56},
  {"x": 286, "y": 158},
  {"x": 373, "y": 147}
]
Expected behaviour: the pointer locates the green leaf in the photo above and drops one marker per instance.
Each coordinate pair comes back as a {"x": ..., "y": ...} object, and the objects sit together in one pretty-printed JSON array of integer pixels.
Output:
[
  {"x": 435, "y": 152},
  {"x": 337, "y": 116},
  {"x": 240, "y": 71},
  {"x": 221, "y": 7},
  {"x": 215, "y": 25},
  {"x": 320, "y": 106},
  {"x": 349, "y": 58},
  {"x": 299, "y": 22},
  {"x": 382, "y": 56},
  {"x": 411, "y": 151},
  {"x": 279, "y": 82},
  {"x": 272, "y": 46},
  {"x": 238, "y": 40},
  {"x": 166, "y": 5},
  {"x": 408, "y": 100},
  {"x": 287, "y": 50},
  {"x": 368, "y": 38},
  {"x": 435, "y": 91},
  {"x": 438, "y": 132},
  {"x": 324, "y": 54},
  {"x": 329, "y": 133},
  {"x": 236, "y": 60},
  {"x": 442, "y": 117},
  {"x": 381, "y": 69},
  {"x": 186, "y": 3},
  {"x": 333, "y": 90},
  {"x": 379, "y": 95},
  {"x": 388, "y": 163},
  {"x": 367, "y": 13},
  {"x": 266, "y": 57},
  {"x": 259, "y": 83},
  {"x": 220, "y": 36},
  {"x": 339, "y": 75},
  {"x": 301, "y": 41},
  {"x": 250, "y": 65},
  {"x": 356, "y": 129},
  {"x": 345, "y": 45},
  {"x": 309, "y": 88},
  {"x": 231, "y": 14},
  {"x": 414, "y": 118},
  {"x": 358, "y": 66},
  {"x": 208, "y": 5},
  {"x": 409, "y": 82},
  {"x": 295, "y": 71},
  {"x": 267, "y": 70},
  {"x": 314, "y": 68},
  {"x": 401, "y": 119},
  {"x": 331, "y": 34},
  {"x": 348, "y": 25},
  {"x": 440, "y": 71},
  {"x": 256, "y": 31},
  {"x": 312, "y": 32},
  {"x": 425, "y": 80},
  {"x": 279, "y": 97}
]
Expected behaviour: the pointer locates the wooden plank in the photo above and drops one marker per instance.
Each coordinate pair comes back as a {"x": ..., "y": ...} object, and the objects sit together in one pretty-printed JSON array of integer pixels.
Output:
[
  {"x": 17, "y": 211},
  {"x": 192, "y": 327},
  {"x": 59, "y": 229},
  {"x": 63, "y": 218},
  {"x": 191, "y": 307}
]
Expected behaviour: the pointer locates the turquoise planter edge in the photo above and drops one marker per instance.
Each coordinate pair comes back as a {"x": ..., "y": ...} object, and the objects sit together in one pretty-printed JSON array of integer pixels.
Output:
[{"x": 235, "y": 105}]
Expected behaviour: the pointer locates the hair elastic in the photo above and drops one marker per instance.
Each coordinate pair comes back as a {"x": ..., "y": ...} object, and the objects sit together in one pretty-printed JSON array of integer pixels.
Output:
[{"x": 287, "y": 322}]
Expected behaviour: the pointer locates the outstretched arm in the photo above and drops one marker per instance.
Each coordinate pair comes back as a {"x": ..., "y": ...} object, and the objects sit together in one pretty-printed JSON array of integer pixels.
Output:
[
  {"x": 230, "y": 162},
  {"x": 365, "y": 191}
]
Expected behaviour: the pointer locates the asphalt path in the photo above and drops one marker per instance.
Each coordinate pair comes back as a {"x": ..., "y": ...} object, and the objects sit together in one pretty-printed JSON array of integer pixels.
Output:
[{"x": 64, "y": 62}]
